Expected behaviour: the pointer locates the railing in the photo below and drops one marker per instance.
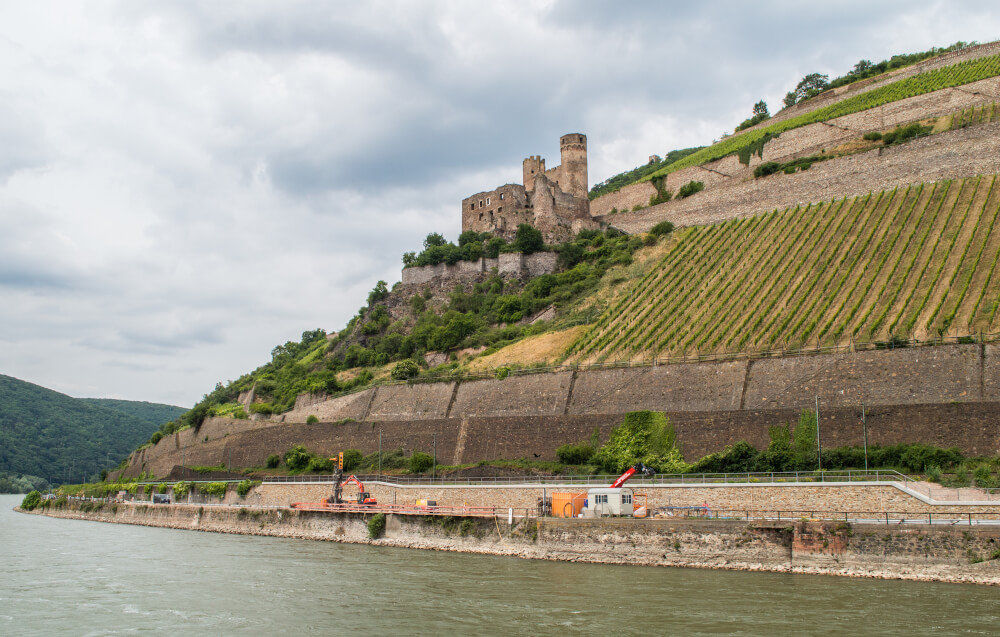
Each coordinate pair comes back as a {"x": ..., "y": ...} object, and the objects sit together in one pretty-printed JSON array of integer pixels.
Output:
[
  {"x": 410, "y": 509},
  {"x": 605, "y": 480}
]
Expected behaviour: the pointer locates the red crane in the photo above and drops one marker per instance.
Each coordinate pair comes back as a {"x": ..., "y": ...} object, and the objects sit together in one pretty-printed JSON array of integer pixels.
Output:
[{"x": 631, "y": 471}]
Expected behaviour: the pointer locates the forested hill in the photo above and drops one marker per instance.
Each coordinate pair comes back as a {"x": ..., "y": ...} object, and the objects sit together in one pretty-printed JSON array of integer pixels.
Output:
[{"x": 60, "y": 438}]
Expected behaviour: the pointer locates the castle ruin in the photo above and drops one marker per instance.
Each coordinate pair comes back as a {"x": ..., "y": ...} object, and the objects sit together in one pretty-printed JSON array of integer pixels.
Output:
[{"x": 554, "y": 200}]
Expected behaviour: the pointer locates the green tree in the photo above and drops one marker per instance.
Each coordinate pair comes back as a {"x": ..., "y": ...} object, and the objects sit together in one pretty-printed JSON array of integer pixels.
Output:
[
  {"x": 528, "y": 239},
  {"x": 804, "y": 441},
  {"x": 434, "y": 240},
  {"x": 811, "y": 85},
  {"x": 406, "y": 369},
  {"x": 31, "y": 501},
  {"x": 420, "y": 462},
  {"x": 380, "y": 291},
  {"x": 643, "y": 436},
  {"x": 760, "y": 108}
]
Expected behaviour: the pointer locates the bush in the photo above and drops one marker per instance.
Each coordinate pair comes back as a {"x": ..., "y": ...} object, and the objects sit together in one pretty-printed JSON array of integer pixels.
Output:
[
  {"x": 420, "y": 462},
  {"x": 273, "y": 461},
  {"x": 376, "y": 526},
  {"x": 318, "y": 464},
  {"x": 983, "y": 477},
  {"x": 406, "y": 369},
  {"x": 352, "y": 459},
  {"x": 643, "y": 436},
  {"x": 161, "y": 488},
  {"x": 217, "y": 489},
  {"x": 297, "y": 458},
  {"x": 262, "y": 408},
  {"x": 738, "y": 457},
  {"x": 575, "y": 454},
  {"x": 502, "y": 372},
  {"x": 31, "y": 501},
  {"x": 528, "y": 239},
  {"x": 243, "y": 488},
  {"x": 690, "y": 188},
  {"x": 873, "y": 136},
  {"x": 661, "y": 229},
  {"x": 156, "y": 437},
  {"x": 181, "y": 490},
  {"x": 905, "y": 133},
  {"x": 767, "y": 168},
  {"x": 312, "y": 420}
]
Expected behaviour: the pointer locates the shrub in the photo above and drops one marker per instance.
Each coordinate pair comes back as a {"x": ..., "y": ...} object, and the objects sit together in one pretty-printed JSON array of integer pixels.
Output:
[
  {"x": 352, "y": 459},
  {"x": 405, "y": 369},
  {"x": 181, "y": 489},
  {"x": 873, "y": 136},
  {"x": 737, "y": 457},
  {"x": 934, "y": 473},
  {"x": 320, "y": 464},
  {"x": 376, "y": 526},
  {"x": 662, "y": 228},
  {"x": 690, "y": 188},
  {"x": 273, "y": 461},
  {"x": 243, "y": 488},
  {"x": 262, "y": 408},
  {"x": 31, "y": 501},
  {"x": 574, "y": 454},
  {"x": 297, "y": 458},
  {"x": 502, "y": 372},
  {"x": 217, "y": 489},
  {"x": 643, "y": 436},
  {"x": 420, "y": 462},
  {"x": 156, "y": 437},
  {"x": 983, "y": 478},
  {"x": 312, "y": 419},
  {"x": 905, "y": 133},
  {"x": 528, "y": 239},
  {"x": 767, "y": 168}
]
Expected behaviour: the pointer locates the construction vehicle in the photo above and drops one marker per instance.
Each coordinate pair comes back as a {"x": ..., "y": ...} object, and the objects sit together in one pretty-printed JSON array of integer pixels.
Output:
[{"x": 363, "y": 497}]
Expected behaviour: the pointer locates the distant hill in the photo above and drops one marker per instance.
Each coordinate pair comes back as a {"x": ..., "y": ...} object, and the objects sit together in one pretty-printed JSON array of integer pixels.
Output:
[
  {"x": 59, "y": 438},
  {"x": 153, "y": 413}
]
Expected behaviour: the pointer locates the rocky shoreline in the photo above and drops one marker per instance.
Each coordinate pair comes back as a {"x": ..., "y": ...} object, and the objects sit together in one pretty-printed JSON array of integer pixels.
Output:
[{"x": 720, "y": 545}]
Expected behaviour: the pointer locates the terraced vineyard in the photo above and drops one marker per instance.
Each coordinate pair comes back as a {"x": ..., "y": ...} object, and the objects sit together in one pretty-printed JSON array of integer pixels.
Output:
[
  {"x": 934, "y": 80},
  {"x": 912, "y": 263}
]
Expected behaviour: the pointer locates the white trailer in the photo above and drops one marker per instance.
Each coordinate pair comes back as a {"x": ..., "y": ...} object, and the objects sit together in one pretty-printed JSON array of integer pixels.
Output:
[{"x": 606, "y": 501}]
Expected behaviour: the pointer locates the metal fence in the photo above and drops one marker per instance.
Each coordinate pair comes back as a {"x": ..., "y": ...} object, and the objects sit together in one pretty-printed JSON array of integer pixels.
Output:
[
  {"x": 604, "y": 480},
  {"x": 944, "y": 518}
]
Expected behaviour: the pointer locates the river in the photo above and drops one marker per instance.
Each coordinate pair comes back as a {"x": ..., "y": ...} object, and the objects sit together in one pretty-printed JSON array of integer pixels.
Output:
[{"x": 71, "y": 577}]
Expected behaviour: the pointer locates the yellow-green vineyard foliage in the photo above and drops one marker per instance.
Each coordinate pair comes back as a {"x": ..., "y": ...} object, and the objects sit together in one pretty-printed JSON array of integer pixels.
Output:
[
  {"x": 934, "y": 80},
  {"x": 917, "y": 262}
]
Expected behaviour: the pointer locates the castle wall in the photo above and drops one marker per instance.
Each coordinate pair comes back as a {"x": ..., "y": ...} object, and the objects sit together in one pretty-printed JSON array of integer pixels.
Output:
[{"x": 509, "y": 263}]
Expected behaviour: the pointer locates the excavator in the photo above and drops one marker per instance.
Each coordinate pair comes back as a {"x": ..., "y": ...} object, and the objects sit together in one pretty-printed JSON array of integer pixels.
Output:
[
  {"x": 631, "y": 471},
  {"x": 363, "y": 498}
]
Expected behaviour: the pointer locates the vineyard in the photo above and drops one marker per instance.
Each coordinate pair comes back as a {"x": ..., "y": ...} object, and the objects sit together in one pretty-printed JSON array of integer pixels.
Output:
[
  {"x": 912, "y": 263},
  {"x": 934, "y": 80}
]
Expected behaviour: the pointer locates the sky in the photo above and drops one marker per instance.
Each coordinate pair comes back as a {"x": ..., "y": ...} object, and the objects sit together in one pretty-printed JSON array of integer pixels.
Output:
[{"x": 185, "y": 185}]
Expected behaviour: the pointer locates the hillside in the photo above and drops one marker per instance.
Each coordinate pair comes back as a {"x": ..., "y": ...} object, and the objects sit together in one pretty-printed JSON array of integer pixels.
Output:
[
  {"x": 59, "y": 438},
  {"x": 911, "y": 263},
  {"x": 895, "y": 239}
]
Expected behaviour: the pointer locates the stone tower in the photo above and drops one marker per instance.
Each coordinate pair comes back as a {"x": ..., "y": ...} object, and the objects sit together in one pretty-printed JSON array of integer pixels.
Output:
[
  {"x": 573, "y": 151},
  {"x": 532, "y": 166}
]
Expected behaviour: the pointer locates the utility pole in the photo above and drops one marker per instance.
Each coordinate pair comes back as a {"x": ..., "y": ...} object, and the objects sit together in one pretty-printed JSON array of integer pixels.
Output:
[
  {"x": 379, "y": 453},
  {"x": 819, "y": 444},
  {"x": 864, "y": 426},
  {"x": 434, "y": 466}
]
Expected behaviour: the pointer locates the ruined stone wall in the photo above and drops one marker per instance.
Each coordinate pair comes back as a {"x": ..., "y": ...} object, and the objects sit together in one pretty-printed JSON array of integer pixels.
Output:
[
  {"x": 499, "y": 210},
  {"x": 509, "y": 263}
]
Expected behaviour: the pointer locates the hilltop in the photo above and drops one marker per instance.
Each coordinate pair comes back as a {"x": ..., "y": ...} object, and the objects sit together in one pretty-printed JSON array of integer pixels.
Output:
[{"x": 59, "y": 438}]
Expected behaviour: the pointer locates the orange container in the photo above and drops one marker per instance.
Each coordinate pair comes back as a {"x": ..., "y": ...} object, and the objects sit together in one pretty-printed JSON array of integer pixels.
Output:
[{"x": 567, "y": 505}]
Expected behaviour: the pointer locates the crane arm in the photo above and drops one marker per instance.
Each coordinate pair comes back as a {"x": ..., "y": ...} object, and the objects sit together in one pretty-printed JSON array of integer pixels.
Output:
[{"x": 631, "y": 471}]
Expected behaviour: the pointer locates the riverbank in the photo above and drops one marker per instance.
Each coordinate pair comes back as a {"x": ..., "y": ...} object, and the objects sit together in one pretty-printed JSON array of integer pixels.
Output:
[{"x": 930, "y": 553}]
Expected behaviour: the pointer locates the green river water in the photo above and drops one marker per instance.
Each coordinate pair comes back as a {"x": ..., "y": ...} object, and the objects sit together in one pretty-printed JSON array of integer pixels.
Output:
[{"x": 69, "y": 577}]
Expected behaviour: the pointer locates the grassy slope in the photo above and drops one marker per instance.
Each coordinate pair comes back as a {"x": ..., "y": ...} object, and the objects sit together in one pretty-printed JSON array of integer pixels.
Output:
[{"x": 915, "y": 262}]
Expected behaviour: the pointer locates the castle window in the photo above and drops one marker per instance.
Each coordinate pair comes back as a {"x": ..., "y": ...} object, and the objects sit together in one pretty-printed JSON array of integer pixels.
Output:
[
  {"x": 472, "y": 206},
  {"x": 480, "y": 203},
  {"x": 500, "y": 210},
  {"x": 501, "y": 196},
  {"x": 487, "y": 201}
]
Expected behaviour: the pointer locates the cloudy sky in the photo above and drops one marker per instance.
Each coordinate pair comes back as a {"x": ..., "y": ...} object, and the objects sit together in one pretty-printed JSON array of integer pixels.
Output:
[{"x": 185, "y": 185}]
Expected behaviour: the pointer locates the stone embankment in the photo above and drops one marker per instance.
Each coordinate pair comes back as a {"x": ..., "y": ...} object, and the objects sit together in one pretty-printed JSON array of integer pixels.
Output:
[
  {"x": 914, "y": 552},
  {"x": 944, "y": 395}
]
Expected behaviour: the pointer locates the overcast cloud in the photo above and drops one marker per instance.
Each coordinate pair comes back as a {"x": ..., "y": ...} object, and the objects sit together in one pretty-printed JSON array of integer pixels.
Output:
[{"x": 185, "y": 185}]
